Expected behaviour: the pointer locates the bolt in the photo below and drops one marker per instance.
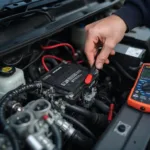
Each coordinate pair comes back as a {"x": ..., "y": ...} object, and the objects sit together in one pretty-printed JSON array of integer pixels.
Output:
[
  {"x": 19, "y": 109},
  {"x": 62, "y": 107},
  {"x": 56, "y": 102},
  {"x": 55, "y": 112},
  {"x": 71, "y": 95}
]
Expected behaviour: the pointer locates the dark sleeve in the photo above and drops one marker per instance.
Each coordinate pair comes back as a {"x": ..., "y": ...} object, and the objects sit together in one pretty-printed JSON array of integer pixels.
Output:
[{"x": 135, "y": 13}]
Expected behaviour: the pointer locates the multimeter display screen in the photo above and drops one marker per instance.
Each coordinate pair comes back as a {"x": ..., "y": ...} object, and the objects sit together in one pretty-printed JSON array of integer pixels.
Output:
[{"x": 146, "y": 73}]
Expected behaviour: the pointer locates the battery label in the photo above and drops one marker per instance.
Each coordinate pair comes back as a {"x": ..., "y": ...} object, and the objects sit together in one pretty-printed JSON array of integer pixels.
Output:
[
  {"x": 135, "y": 52},
  {"x": 72, "y": 78}
]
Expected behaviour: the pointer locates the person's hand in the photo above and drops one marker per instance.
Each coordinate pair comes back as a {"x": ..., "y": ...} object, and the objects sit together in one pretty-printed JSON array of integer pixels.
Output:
[{"x": 108, "y": 32}]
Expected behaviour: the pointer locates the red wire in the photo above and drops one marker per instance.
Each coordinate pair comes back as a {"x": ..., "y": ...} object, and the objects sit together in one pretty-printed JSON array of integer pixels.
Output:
[
  {"x": 54, "y": 57},
  {"x": 57, "y": 58},
  {"x": 59, "y": 45},
  {"x": 50, "y": 56}
]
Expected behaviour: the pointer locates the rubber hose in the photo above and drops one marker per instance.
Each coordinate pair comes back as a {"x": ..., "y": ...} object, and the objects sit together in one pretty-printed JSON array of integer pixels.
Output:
[
  {"x": 96, "y": 119},
  {"x": 31, "y": 68},
  {"x": 13, "y": 138},
  {"x": 10, "y": 95},
  {"x": 80, "y": 110},
  {"x": 100, "y": 120},
  {"x": 57, "y": 136},
  {"x": 37, "y": 58},
  {"x": 3, "y": 103},
  {"x": 52, "y": 61},
  {"x": 80, "y": 125},
  {"x": 79, "y": 139},
  {"x": 101, "y": 106},
  {"x": 33, "y": 73}
]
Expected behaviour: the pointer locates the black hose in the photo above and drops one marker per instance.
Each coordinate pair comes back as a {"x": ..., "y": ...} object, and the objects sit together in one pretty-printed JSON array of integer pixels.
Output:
[
  {"x": 123, "y": 71},
  {"x": 99, "y": 120},
  {"x": 4, "y": 60},
  {"x": 95, "y": 118},
  {"x": 57, "y": 136},
  {"x": 101, "y": 106},
  {"x": 79, "y": 125},
  {"x": 103, "y": 95},
  {"x": 33, "y": 73},
  {"x": 52, "y": 61},
  {"x": 11, "y": 94},
  {"x": 80, "y": 110},
  {"x": 79, "y": 139},
  {"x": 38, "y": 57},
  {"x": 31, "y": 68},
  {"x": 13, "y": 138},
  {"x": 5, "y": 99}
]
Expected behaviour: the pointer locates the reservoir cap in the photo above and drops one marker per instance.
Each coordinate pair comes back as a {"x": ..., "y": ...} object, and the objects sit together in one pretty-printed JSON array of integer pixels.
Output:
[{"x": 7, "y": 71}]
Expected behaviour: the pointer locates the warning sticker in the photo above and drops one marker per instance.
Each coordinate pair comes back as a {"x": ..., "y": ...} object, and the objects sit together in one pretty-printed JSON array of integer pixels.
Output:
[{"x": 135, "y": 52}]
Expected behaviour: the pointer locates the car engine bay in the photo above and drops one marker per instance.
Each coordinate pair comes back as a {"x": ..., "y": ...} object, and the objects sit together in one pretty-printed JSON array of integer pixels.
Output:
[{"x": 45, "y": 103}]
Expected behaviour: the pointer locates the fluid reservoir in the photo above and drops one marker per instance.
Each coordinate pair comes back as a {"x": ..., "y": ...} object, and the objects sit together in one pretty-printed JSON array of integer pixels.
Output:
[{"x": 10, "y": 78}]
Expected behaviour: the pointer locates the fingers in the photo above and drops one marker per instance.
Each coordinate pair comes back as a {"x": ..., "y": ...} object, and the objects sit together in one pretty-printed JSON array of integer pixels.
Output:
[
  {"x": 92, "y": 40},
  {"x": 104, "y": 54},
  {"x": 107, "y": 61},
  {"x": 90, "y": 48},
  {"x": 112, "y": 52}
]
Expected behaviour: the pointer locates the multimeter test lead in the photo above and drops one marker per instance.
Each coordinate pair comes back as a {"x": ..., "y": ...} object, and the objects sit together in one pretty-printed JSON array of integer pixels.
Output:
[
  {"x": 89, "y": 79},
  {"x": 93, "y": 70}
]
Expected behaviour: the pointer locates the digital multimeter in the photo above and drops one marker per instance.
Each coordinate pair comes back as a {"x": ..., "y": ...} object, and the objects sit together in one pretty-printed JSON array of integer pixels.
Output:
[{"x": 139, "y": 97}]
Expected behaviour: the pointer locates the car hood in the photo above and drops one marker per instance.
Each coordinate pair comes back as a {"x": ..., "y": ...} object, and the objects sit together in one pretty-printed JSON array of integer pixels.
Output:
[{"x": 17, "y": 32}]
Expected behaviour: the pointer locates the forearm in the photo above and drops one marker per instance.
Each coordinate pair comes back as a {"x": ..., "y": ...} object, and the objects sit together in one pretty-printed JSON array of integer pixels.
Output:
[{"x": 135, "y": 13}]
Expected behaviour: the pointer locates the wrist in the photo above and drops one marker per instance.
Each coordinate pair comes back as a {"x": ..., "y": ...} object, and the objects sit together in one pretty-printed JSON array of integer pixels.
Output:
[
  {"x": 131, "y": 15},
  {"x": 120, "y": 21}
]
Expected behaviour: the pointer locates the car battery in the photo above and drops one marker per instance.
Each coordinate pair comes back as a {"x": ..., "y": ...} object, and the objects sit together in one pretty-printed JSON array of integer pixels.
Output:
[
  {"x": 129, "y": 58},
  {"x": 129, "y": 55},
  {"x": 127, "y": 61},
  {"x": 139, "y": 37}
]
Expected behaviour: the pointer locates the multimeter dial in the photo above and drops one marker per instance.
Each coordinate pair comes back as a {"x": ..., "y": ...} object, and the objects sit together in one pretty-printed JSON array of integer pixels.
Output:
[
  {"x": 146, "y": 87},
  {"x": 142, "y": 90}
]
